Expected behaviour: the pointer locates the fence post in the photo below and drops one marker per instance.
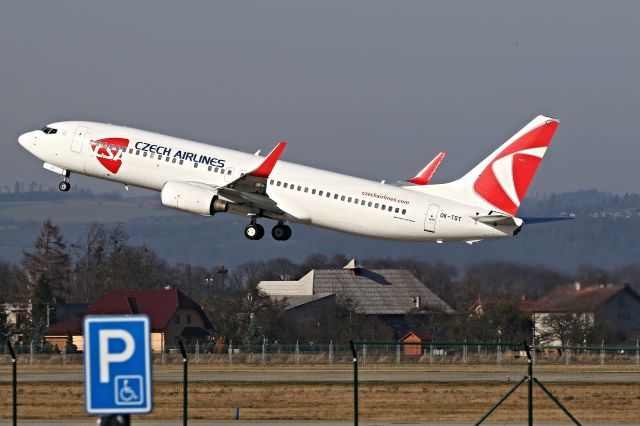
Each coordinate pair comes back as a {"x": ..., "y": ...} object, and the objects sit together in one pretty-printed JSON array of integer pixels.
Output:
[
  {"x": 637, "y": 353},
  {"x": 14, "y": 375},
  {"x": 297, "y": 353},
  {"x": 364, "y": 354},
  {"x": 230, "y": 350},
  {"x": 464, "y": 352},
  {"x": 164, "y": 348},
  {"x": 567, "y": 354},
  {"x": 264, "y": 351},
  {"x": 31, "y": 353},
  {"x": 185, "y": 379},
  {"x": 398, "y": 353},
  {"x": 430, "y": 353},
  {"x": 64, "y": 354},
  {"x": 602, "y": 353},
  {"x": 331, "y": 352},
  {"x": 196, "y": 353},
  {"x": 355, "y": 383},
  {"x": 499, "y": 352}
]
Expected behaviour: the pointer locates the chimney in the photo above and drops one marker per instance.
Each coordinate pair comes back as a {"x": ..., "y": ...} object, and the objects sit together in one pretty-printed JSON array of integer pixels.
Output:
[
  {"x": 417, "y": 301},
  {"x": 577, "y": 285}
]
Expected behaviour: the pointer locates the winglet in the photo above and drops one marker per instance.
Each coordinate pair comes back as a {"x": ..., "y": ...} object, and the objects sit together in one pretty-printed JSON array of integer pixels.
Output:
[
  {"x": 264, "y": 169},
  {"x": 425, "y": 175}
]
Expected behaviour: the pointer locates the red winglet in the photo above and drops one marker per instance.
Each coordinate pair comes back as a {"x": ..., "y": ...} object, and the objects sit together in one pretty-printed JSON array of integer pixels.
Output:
[
  {"x": 425, "y": 175},
  {"x": 264, "y": 169}
]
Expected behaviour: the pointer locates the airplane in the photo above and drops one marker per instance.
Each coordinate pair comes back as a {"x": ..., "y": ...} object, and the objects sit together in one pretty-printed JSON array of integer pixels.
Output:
[{"x": 207, "y": 180}]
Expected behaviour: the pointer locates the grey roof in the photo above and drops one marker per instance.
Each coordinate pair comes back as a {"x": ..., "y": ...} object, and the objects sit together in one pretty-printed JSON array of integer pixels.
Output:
[
  {"x": 295, "y": 301},
  {"x": 379, "y": 292}
]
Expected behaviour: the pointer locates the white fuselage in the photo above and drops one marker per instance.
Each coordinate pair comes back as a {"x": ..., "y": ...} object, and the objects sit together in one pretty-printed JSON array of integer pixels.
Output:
[{"x": 306, "y": 195}]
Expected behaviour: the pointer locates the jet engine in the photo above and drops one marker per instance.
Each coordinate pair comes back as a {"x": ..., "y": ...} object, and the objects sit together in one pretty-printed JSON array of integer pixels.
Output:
[{"x": 192, "y": 198}]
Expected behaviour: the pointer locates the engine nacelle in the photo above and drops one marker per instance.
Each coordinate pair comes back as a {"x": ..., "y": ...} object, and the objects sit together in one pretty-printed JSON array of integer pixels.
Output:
[{"x": 192, "y": 198}]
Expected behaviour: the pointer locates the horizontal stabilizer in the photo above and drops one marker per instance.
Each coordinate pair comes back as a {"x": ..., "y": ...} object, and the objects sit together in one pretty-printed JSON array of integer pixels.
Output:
[
  {"x": 500, "y": 220},
  {"x": 531, "y": 220}
]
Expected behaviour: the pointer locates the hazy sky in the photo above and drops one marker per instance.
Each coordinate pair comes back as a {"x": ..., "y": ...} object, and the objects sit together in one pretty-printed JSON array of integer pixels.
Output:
[{"x": 371, "y": 88}]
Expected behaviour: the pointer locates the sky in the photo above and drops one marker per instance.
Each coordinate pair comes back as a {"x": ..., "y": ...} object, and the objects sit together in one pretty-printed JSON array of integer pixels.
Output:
[{"x": 369, "y": 88}]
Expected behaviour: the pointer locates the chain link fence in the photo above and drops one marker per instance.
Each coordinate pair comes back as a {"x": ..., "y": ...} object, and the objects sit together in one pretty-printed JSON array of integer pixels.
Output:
[{"x": 296, "y": 381}]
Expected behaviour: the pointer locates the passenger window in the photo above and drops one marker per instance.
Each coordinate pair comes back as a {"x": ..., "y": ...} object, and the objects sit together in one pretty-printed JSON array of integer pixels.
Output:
[
  {"x": 384, "y": 207},
  {"x": 167, "y": 159},
  {"x": 229, "y": 172},
  {"x": 152, "y": 155},
  {"x": 159, "y": 157},
  {"x": 144, "y": 154},
  {"x": 335, "y": 196},
  {"x": 320, "y": 193},
  {"x": 270, "y": 182},
  {"x": 279, "y": 183},
  {"x": 222, "y": 171},
  {"x": 306, "y": 189},
  {"x": 195, "y": 165},
  {"x": 216, "y": 171},
  {"x": 293, "y": 187},
  {"x": 376, "y": 205},
  {"x": 356, "y": 201},
  {"x": 349, "y": 199},
  {"x": 313, "y": 191},
  {"x": 404, "y": 211},
  {"x": 137, "y": 152},
  {"x": 369, "y": 204},
  {"x": 209, "y": 168},
  {"x": 342, "y": 198},
  {"x": 285, "y": 185},
  {"x": 390, "y": 208},
  {"x": 174, "y": 160},
  {"x": 397, "y": 210},
  {"x": 328, "y": 195},
  {"x": 130, "y": 150},
  {"x": 181, "y": 162},
  {"x": 110, "y": 146}
]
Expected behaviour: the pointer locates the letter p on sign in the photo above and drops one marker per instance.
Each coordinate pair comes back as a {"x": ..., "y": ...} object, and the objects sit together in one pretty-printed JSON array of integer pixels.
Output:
[{"x": 107, "y": 357}]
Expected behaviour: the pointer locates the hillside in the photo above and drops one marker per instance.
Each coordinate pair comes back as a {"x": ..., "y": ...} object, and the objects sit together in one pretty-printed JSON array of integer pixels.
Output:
[{"x": 605, "y": 232}]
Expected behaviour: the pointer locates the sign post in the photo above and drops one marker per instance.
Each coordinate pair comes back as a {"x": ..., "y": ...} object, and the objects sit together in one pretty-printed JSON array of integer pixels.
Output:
[{"x": 117, "y": 364}]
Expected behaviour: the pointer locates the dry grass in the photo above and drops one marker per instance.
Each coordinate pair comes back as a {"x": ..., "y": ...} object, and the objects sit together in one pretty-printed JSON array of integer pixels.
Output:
[{"x": 433, "y": 401}]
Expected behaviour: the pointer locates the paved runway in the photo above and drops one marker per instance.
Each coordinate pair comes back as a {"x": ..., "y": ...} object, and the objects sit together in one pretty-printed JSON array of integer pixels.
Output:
[
  {"x": 298, "y": 422},
  {"x": 346, "y": 376}
]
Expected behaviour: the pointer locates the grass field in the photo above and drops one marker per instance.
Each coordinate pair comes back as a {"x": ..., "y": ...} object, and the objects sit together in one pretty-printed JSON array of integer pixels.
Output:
[{"x": 463, "y": 401}]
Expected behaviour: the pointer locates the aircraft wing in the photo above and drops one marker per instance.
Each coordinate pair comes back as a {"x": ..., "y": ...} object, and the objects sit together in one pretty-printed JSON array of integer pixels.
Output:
[{"x": 250, "y": 189}]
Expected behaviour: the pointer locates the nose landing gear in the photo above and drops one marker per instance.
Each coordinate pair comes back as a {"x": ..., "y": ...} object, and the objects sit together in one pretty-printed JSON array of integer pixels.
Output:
[{"x": 65, "y": 185}]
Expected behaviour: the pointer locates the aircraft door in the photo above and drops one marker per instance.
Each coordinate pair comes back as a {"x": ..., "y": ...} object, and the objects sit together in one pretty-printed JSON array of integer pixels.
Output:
[
  {"x": 78, "y": 138},
  {"x": 430, "y": 218}
]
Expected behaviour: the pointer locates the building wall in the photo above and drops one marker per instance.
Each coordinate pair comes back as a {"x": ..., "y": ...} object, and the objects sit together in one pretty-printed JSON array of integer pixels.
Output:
[
  {"x": 539, "y": 329},
  {"x": 621, "y": 315},
  {"x": 184, "y": 317}
]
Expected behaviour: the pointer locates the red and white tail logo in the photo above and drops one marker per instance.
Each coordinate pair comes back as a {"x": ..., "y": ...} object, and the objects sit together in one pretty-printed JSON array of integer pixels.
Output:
[
  {"x": 109, "y": 151},
  {"x": 506, "y": 174}
]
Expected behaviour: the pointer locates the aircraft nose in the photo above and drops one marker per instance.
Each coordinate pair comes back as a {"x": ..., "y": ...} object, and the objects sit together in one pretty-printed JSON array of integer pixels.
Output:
[
  {"x": 26, "y": 140},
  {"x": 22, "y": 140}
]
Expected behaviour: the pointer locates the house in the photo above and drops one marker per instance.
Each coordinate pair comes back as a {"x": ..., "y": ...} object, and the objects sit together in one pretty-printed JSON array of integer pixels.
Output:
[
  {"x": 16, "y": 314},
  {"x": 414, "y": 337},
  {"x": 388, "y": 294},
  {"x": 616, "y": 307},
  {"x": 173, "y": 315}
]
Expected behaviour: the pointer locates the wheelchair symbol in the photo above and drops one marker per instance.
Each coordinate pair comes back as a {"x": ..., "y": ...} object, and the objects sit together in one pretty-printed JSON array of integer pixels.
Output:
[{"x": 128, "y": 390}]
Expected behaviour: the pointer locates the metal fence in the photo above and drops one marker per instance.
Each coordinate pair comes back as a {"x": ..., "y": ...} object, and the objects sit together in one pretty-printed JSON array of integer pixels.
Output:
[{"x": 426, "y": 382}]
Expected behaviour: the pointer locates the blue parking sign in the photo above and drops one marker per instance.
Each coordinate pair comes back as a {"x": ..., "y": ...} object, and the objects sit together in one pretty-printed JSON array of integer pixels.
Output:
[{"x": 117, "y": 364}]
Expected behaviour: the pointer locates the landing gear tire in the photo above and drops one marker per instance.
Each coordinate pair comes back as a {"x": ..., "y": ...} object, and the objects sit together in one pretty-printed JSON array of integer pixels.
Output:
[
  {"x": 64, "y": 186},
  {"x": 281, "y": 232},
  {"x": 254, "y": 231}
]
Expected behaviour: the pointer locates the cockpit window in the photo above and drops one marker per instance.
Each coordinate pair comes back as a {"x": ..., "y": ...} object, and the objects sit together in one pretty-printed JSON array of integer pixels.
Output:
[{"x": 49, "y": 130}]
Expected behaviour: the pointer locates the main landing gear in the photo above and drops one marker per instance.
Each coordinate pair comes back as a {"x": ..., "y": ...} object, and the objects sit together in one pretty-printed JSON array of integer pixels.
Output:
[
  {"x": 255, "y": 231},
  {"x": 65, "y": 185}
]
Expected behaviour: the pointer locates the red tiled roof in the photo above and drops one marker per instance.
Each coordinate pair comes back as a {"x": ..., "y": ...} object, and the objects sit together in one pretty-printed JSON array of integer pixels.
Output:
[
  {"x": 160, "y": 305},
  {"x": 569, "y": 299}
]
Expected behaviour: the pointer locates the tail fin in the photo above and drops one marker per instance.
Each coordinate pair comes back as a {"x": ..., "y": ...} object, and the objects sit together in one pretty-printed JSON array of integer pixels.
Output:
[{"x": 500, "y": 181}]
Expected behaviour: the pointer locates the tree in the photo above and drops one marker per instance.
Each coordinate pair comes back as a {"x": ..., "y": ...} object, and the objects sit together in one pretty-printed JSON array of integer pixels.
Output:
[
  {"x": 50, "y": 260},
  {"x": 498, "y": 320},
  {"x": 42, "y": 301},
  {"x": 576, "y": 328}
]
